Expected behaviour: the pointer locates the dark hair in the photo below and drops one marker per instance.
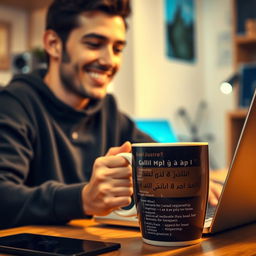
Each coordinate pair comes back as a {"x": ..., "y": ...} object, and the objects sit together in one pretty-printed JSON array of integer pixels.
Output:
[{"x": 62, "y": 16}]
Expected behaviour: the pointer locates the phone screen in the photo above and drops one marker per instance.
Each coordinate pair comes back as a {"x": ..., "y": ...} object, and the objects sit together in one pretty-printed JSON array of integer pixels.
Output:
[{"x": 32, "y": 244}]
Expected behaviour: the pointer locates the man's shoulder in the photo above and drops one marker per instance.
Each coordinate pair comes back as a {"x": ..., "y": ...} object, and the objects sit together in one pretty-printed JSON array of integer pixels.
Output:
[
  {"x": 18, "y": 90},
  {"x": 20, "y": 97},
  {"x": 16, "y": 86}
]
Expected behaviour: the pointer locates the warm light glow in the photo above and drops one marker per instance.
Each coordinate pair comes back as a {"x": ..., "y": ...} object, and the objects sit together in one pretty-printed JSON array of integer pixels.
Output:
[{"x": 226, "y": 88}]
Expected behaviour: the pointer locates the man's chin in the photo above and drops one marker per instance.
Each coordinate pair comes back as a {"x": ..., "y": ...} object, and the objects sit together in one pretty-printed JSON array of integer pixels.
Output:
[{"x": 98, "y": 95}]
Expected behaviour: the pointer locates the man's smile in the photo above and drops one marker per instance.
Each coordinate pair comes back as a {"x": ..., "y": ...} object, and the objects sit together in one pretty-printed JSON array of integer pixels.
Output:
[{"x": 99, "y": 78}]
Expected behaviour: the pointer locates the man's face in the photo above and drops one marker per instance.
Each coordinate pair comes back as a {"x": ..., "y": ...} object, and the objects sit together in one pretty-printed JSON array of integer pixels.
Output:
[{"x": 92, "y": 55}]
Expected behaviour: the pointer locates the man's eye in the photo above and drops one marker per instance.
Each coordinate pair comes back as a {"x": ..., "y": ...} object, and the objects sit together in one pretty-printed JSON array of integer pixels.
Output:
[
  {"x": 118, "y": 49},
  {"x": 92, "y": 44}
]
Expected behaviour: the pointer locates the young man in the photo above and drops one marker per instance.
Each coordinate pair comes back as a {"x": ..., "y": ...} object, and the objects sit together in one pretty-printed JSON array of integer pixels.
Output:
[{"x": 60, "y": 131}]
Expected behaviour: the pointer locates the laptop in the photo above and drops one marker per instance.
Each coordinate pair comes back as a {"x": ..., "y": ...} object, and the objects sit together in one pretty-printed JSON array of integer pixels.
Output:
[{"x": 237, "y": 203}]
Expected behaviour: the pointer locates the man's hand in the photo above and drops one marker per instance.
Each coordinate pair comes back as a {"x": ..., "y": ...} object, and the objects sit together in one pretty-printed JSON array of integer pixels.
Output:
[
  {"x": 110, "y": 186},
  {"x": 214, "y": 192}
]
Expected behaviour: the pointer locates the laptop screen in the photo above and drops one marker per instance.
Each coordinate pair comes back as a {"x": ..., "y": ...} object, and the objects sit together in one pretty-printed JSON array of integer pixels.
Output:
[{"x": 159, "y": 129}]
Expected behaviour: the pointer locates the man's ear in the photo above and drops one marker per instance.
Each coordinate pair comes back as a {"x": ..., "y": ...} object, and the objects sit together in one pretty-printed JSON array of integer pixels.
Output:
[{"x": 52, "y": 44}]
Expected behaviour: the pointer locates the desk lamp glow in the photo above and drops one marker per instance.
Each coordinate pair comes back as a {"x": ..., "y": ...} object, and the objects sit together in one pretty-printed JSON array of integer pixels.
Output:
[{"x": 226, "y": 87}]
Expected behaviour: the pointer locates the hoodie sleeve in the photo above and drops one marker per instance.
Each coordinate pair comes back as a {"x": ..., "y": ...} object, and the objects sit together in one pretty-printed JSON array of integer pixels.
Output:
[{"x": 48, "y": 203}]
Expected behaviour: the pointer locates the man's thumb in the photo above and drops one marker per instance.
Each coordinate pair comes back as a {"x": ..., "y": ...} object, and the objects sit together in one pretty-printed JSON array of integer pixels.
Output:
[{"x": 126, "y": 147}]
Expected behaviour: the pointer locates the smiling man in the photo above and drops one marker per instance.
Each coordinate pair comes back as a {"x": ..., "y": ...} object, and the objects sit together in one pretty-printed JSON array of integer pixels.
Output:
[
  {"x": 85, "y": 65},
  {"x": 60, "y": 131}
]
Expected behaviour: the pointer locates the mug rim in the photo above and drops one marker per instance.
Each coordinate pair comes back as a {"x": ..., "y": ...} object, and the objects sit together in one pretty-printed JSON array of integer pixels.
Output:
[{"x": 169, "y": 144}]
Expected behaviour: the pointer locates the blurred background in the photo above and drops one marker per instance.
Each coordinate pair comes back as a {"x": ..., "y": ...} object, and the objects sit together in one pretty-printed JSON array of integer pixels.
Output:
[{"x": 179, "y": 54}]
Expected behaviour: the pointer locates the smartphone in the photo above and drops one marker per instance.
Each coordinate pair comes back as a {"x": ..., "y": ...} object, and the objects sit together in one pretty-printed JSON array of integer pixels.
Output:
[{"x": 32, "y": 244}]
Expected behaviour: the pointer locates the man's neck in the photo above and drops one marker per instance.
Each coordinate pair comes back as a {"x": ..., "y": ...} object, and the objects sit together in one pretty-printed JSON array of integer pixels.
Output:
[{"x": 54, "y": 83}]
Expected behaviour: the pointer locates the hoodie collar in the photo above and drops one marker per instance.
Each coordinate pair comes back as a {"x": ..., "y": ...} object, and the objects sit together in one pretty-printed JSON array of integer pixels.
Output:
[{"x": 35, "y": 80}]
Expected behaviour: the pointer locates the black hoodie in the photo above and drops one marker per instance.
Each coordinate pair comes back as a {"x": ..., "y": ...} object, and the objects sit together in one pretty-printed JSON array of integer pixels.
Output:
[{"x": 47, "y": 150}]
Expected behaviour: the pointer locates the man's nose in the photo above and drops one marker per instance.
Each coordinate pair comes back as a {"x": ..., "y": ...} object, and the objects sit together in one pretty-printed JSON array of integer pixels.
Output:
[{"x": 108, "y": 57}]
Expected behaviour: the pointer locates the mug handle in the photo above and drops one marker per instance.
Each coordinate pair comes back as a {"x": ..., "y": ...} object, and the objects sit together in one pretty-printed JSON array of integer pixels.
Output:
[{"x": 131, "y": 212}]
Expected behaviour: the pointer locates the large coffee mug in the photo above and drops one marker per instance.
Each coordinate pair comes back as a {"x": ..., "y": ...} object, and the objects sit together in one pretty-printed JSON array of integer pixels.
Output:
[{"x": 171, "y": 182}]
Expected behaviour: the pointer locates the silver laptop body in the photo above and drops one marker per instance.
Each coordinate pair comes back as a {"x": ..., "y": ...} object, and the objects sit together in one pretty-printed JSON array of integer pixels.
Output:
[{"x": 237, "y": 204}]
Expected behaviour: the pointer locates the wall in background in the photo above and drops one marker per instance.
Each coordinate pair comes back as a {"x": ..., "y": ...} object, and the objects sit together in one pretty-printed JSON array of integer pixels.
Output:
[
  {"x": 19, "y": 34},
  {"x": 37, "y": 18},
  {"x": 163, "y": 85},
  {"x": 217, "y": 37}
]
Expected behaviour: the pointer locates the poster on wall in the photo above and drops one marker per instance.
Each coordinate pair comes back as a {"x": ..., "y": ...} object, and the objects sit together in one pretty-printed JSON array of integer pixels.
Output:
[{"x": 180, "y": 29}]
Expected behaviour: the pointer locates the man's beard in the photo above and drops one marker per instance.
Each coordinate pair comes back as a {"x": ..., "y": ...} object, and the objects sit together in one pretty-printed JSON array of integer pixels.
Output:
[
  {"x": 68, "y": 76},
  {"x": 68, "y": 83},
  {"x": 68, "y": 79}
]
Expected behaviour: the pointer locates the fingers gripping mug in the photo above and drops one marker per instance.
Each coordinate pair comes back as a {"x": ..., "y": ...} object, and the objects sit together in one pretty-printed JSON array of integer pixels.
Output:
[{"x": 171, "y": 182}]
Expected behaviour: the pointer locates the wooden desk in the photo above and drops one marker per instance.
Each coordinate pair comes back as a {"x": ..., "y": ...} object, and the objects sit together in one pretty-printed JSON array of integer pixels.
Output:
[{"x": 239, "y": 241}]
